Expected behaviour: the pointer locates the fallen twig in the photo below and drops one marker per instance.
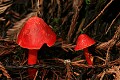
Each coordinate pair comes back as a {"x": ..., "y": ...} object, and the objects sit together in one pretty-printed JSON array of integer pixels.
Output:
[
  {"x": 111, "y": 42},
  {"x": 98, "y": 15},
  {"x": 5, "y": 73}
]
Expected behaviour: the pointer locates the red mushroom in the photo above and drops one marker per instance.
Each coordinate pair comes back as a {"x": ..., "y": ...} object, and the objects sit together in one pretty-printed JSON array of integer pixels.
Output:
[
  {"x": 33, "y": 35},
  {"x": 83, "y": 42}
]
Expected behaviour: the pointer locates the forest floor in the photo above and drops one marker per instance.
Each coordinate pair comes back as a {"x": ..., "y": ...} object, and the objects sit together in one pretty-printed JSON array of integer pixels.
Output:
[{"x": 99, "y": 19}]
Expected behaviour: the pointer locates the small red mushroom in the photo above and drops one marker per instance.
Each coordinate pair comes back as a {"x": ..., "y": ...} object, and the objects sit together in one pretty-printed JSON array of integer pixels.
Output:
[
  {"x": 83, "y": 42},
  {"x": 32, "y": 36}
]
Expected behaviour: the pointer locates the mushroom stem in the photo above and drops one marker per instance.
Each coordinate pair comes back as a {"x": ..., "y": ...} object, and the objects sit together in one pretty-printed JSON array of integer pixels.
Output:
[
  {"x": 32, "y": 59},
  {"x": 32, "y": 56},
  {"x": 88, "y": 56}
]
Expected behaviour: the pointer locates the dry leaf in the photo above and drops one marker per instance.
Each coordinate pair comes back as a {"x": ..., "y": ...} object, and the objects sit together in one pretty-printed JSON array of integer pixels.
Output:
[
  {"x": 3, "y": 7},
  {"x": 12, "y": 33}
]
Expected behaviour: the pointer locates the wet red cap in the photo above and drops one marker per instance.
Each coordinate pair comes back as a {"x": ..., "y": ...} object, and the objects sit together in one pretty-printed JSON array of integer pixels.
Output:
[
  {"x": 83, "y": 41},
  {"x": 35, "y": 33}
]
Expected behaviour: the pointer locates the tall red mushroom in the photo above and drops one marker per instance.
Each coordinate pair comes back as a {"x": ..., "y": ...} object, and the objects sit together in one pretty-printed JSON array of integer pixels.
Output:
[
  {"x": 83, "y": 42},
  {"x": 32, "y": 36}
]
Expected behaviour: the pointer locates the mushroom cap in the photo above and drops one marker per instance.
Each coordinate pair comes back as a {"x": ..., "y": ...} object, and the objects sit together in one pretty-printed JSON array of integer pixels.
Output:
[
  {"x": 35, "y": 33},
  {"x": 83, "y": 41}
]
